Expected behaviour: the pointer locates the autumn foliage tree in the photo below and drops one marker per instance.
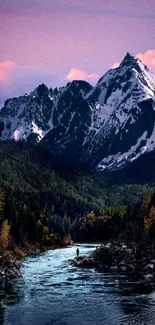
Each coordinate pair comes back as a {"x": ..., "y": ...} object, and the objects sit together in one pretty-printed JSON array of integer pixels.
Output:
[
  {"x": 150, "y": 219},
  {"x": 2, "y": 204},
  {"x": 67, "y": 240},
  {"x": 4, "y": 239},
  {"x": 150, "y": 226}
]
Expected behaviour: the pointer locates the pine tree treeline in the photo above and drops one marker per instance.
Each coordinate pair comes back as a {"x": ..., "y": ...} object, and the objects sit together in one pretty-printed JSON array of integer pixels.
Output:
[{"x": 44, "y": 202}]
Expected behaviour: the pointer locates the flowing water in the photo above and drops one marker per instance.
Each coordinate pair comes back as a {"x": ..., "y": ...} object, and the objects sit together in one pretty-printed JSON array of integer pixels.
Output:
[{"x": 52, "y": 292}]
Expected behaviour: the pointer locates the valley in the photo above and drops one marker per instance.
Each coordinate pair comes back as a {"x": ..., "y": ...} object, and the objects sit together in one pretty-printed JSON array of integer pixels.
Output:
[{"x": 77, "y": 166}]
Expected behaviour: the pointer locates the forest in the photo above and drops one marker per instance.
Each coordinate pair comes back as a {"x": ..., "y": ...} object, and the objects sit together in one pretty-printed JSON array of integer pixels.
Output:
[{"x": 46, "y": 204}]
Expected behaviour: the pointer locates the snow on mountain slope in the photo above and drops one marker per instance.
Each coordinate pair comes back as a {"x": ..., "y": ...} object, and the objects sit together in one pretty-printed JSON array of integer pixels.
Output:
[
  {"x": 105, "y": 126},
  {"x": 27, "y": 115},
  {"x": 31, "y": 116},
  {"x": 125, "y": 99}
]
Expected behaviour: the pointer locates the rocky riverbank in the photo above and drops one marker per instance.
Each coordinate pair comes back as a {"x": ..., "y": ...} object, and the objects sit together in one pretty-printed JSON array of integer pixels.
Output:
[
  {"x": 140, "y": 265},
  {"x": 10, "y": 264},
  {"x": 9, "y": 268}
]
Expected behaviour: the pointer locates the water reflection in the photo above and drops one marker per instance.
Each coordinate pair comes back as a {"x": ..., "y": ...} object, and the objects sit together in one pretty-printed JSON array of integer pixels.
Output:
[{"x": 10, "y": 295}]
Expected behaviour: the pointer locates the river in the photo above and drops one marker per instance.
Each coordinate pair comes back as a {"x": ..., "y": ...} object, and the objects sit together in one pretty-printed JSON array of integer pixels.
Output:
[{"x": 52, "y": 292}]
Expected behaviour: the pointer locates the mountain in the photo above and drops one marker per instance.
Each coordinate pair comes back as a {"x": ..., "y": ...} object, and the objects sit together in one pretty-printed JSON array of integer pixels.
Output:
[{"x": 103, "y": 127}]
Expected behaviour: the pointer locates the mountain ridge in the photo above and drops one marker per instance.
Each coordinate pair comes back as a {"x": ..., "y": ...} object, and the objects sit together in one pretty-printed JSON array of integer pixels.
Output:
[{"x": 101, "y": 127}]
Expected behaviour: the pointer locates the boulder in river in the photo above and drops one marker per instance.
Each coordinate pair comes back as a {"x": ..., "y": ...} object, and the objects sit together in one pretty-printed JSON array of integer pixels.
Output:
[{"x": 120, "y": 259}]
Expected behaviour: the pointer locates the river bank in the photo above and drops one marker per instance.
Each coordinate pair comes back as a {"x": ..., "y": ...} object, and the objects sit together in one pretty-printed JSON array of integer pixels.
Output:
[
  {"x": 9, "y": 268},
  {"x": 11, "y": 261},
  {"x": 121, "y": 259},
  {"x": 51, "y": 291}
]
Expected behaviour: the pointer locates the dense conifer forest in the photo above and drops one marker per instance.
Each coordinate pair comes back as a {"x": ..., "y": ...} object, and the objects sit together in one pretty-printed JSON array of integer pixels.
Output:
[{"x": 45, "y": 203}]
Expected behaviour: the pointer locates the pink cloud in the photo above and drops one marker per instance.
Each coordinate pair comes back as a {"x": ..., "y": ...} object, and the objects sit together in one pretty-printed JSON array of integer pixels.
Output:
[
  {"x": 115, "y": 65},
  {"x": 16, "y": 79},
  {"x": 147, "y": 58},
  {"x": 3, "y": 75},
  {"x": 5, "y": 70},
  {"x": 77, "y": 74},
  {"x": 7, "y": 64}
]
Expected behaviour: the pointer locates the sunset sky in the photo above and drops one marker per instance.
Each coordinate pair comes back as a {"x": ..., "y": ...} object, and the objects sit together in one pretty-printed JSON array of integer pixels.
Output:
[{"x": 53, "y": 41}]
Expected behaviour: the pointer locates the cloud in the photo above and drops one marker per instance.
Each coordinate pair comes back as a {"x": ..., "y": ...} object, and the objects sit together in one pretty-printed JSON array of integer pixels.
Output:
[
  {"x": 147, "y": 58},
  {"x": 7, "y": 65},
  {"x": 115, "y": 65},
  {"x": 16, "y": 80},
  {"x": 6, "y": 68},
  {"x": 77, "y": 74}
]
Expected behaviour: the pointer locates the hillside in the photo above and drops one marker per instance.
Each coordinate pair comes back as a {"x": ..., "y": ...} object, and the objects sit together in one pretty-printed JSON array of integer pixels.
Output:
[
  {"x": 31, "y": 169},
  {"x": 43, "y": 201}
]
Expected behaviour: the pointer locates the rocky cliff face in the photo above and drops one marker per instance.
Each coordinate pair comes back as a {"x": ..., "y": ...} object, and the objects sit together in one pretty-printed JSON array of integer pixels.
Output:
[{"x": 101, "y": 127}]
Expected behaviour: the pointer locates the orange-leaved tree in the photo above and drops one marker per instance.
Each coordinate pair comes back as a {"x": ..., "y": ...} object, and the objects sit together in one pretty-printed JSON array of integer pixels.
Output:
[
  {"x": 2, "y": 203},
  {"x": 4, "y": 238},
  {"x": 150, "y": 219}
]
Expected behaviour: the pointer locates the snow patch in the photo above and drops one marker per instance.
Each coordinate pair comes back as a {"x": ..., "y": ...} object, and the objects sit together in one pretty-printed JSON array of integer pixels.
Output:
[
  {"x": 18, "y": 134},
  {"x": 121, "y": 158}
]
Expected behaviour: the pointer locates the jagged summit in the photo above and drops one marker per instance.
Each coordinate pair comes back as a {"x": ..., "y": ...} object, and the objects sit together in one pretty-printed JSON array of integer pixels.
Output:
[
  {"x": 128, "y": 63},
  {"x": 106, "y": 126},
  {"x": 129, "y": 59},
  {"x": 40, "y": 91},
  {"x": 79, "y": 85}
]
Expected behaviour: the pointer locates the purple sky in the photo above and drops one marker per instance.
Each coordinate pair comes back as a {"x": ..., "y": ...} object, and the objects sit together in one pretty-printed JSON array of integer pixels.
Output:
[{"x": 53, "y": 41}]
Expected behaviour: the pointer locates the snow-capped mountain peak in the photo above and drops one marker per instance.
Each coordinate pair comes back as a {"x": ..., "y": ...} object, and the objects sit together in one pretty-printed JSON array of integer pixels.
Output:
[
  {"x": 128, "y": 60},
  {"x": 105, "y": 126}
]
